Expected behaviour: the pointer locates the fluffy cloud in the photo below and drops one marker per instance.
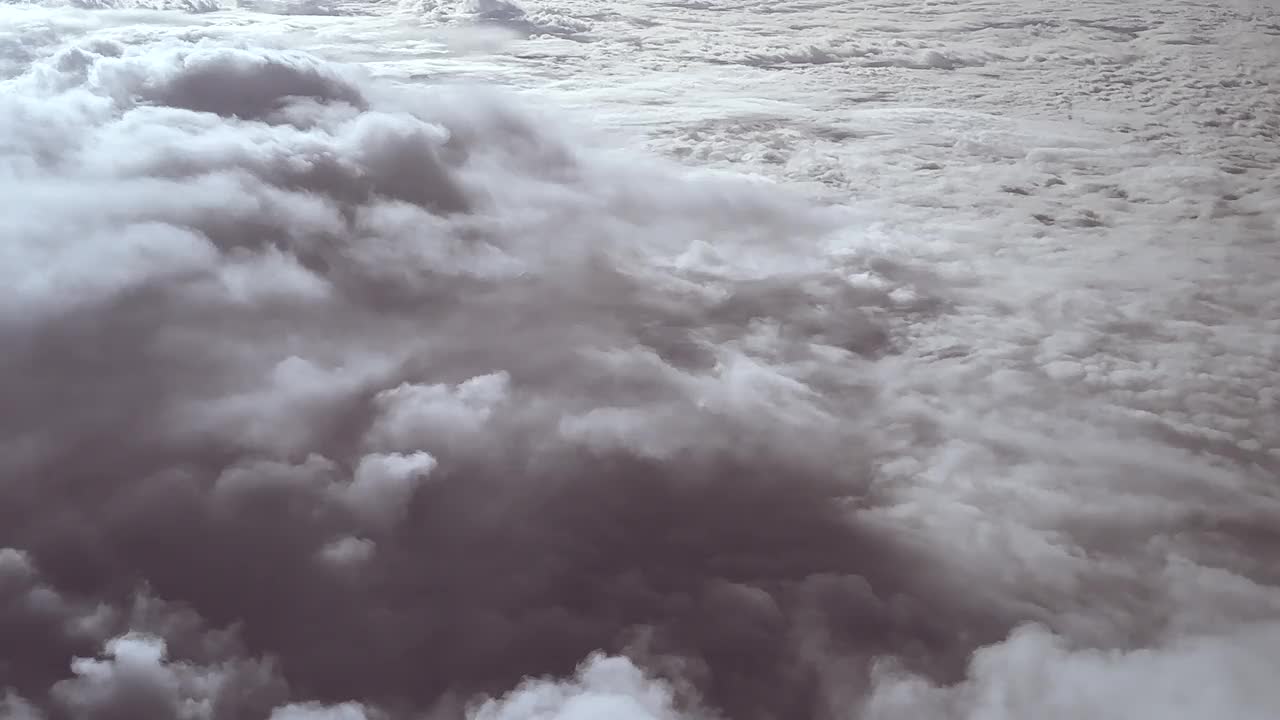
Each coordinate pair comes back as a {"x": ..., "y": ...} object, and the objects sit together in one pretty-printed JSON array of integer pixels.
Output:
[
  {"x": 420, "y": 396},
  {"x": 135, "y": 678},
  {"x": 1035, "y": 673},
  {"x": 333, "y": 398},
  {"x": 602, "y": 687}
]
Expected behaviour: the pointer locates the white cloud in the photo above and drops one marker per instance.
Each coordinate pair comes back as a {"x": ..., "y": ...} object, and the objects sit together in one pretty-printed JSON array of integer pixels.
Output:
[
  {"x": 437, "y": 415},
  {"x": 602, "y": 687},
  {"x": 384, "y": 484},
  {"x": 1035, "y": 673},
  {"x": 348, "y": 551},
  {"x": 317, "y": 711},
  {"x": 136, "y": 677}
]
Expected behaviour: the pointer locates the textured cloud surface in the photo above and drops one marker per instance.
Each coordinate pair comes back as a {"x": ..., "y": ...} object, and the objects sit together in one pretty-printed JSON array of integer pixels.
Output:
[{"x": 331, "y": 396}]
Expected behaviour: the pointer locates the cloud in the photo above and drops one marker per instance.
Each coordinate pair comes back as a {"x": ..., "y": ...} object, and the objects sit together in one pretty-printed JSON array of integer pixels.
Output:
[
  {"x": 602, "y": 687},
  {"x": 310, "y": 351},
  {"x": 383, "y": 485},
  {"x": 1035, "y": 673},
  {"x": 135, "y": 673},
  {"x": 317, "y": 711},
  {"x": 135, "y": 678},
  {"x": 527, "y": 19},
  {"x": 331, "y": 397},
  {"x": 14, "y": 707}
]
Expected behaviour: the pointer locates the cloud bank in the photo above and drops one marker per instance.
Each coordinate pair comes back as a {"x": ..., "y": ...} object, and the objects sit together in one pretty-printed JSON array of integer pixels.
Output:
[{"x": 333, "y": 399}]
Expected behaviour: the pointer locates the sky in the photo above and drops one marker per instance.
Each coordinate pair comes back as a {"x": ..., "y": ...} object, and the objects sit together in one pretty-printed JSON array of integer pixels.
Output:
[{"x": 683, "y": 360}]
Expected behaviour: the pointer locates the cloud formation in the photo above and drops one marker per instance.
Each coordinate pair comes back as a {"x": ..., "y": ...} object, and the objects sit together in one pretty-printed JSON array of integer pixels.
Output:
[
  {"x": 421, "y": 399},
  {"x": 329, "y": 398}
]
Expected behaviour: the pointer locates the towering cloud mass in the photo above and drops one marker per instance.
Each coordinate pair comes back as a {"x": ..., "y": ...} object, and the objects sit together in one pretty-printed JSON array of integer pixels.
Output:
[{"x": 331, "y": 399}]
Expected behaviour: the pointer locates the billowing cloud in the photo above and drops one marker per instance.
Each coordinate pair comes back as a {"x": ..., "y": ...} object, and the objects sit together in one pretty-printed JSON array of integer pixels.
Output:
[
  {"x": 423, "y": 399},
  {"x": 331, "y": 398}
]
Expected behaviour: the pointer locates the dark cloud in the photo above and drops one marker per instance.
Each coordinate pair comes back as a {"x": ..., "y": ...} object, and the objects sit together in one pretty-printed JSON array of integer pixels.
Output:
[
  {"x": 331, "y": 399},
  {"x": 416, "y": 400}
]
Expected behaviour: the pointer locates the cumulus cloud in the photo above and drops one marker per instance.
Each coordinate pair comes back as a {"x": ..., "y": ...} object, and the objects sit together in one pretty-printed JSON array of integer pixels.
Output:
[
  {"x": 1037, "y": 674},
  {"x": 317, "y": 711},
  {"x": 135, "y": 678},
  {"x": 329, "y": 398},
  {"x": 311, "y": 352},
  {"x": 383, "y": 485},
  {"x": 601, "y": 687}
]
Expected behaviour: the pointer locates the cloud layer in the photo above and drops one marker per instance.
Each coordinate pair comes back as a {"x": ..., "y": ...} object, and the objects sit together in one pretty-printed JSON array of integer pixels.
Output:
[
  {"x": 423, "y": 400},
  {"x": 329, "y": 398}
]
